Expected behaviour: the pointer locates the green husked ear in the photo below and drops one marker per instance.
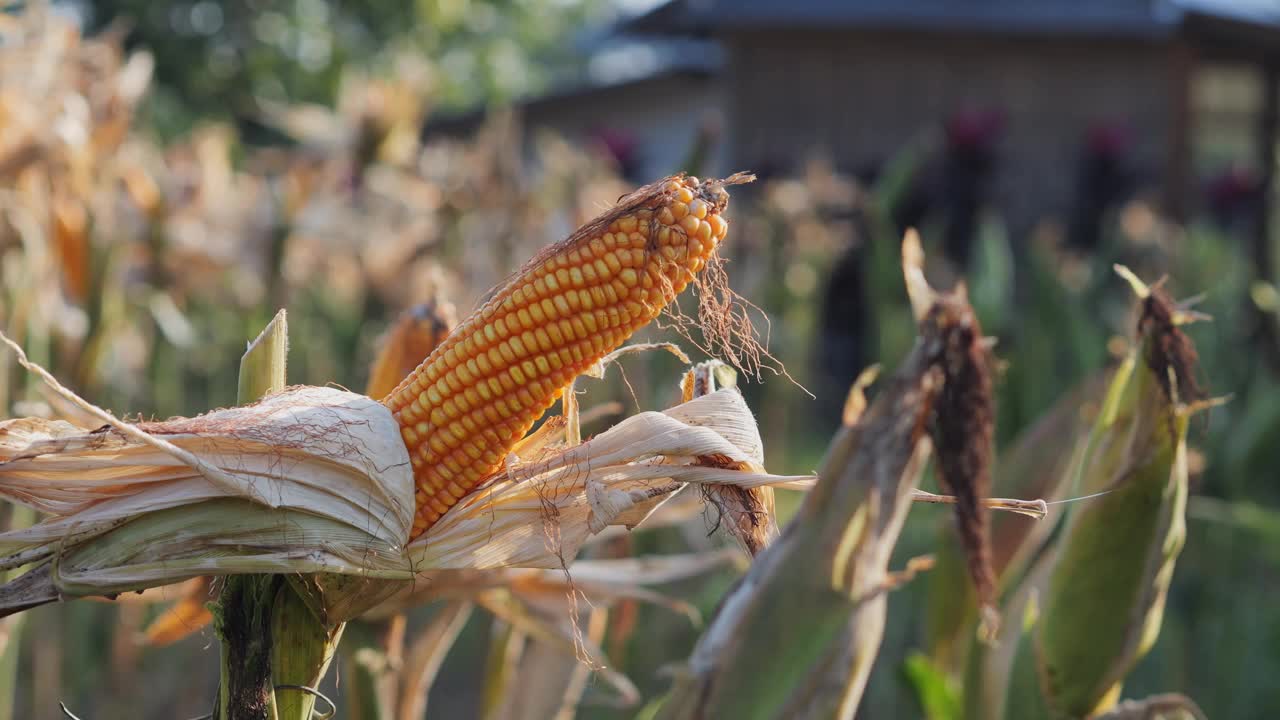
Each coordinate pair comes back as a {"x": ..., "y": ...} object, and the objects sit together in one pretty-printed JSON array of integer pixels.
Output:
[{"x": 1106, "y": 592}]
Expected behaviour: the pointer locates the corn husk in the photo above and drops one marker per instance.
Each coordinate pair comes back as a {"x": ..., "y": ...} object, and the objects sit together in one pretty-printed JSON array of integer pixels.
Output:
[
  {"x": 1105, "y": 598},
  {"x": 316, "y": 480}
]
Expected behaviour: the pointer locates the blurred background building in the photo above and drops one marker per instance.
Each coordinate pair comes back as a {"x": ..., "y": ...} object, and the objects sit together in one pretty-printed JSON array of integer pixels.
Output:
[{"x": 1042, "y": 102}]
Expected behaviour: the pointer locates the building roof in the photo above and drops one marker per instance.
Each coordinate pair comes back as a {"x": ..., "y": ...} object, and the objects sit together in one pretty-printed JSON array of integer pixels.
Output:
[{"x": 1154, "y": 18}]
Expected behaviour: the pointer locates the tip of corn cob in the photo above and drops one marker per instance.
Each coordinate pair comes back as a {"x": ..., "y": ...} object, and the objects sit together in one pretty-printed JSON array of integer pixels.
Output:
[{"x": 464, "y": 408}]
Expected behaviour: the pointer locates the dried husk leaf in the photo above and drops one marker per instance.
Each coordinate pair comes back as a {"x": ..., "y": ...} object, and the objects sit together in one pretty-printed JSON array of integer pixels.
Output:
[
  {"x": 541, "y": 512},
  {"x": 316, "y": 480}
]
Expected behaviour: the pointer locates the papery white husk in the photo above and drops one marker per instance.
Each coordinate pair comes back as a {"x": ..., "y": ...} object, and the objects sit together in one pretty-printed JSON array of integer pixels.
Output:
[{"x": 317, "y": 480}]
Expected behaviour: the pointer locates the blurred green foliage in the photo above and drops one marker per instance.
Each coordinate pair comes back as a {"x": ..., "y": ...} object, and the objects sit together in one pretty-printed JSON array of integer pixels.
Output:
[{"x": 221, "y": 58}]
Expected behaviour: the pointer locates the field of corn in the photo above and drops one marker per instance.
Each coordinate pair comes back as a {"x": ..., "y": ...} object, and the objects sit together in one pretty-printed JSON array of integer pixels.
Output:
[{"x": 379, "y": 427}]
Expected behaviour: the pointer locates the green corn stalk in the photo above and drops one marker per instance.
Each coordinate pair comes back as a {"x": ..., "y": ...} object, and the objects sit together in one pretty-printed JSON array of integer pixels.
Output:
[
  {"x": 243, "y": 617},
  {"x": 11, "y": 631},
  {"x": 273, "y": 643},
  {"x": 1105, "y": 595}
]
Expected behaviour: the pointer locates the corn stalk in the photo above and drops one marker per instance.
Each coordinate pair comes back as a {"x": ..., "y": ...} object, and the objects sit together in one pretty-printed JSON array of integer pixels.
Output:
[
  {"x": 11, "y": 631},
  {"x": 273, "y": 644}
]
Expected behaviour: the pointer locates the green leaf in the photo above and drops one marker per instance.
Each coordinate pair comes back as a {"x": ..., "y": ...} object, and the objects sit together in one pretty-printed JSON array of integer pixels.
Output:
[{"x": 938, "y": 695}]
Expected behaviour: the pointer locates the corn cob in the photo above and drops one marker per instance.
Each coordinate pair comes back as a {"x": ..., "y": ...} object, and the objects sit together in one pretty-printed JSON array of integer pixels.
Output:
[
  {"x": 409, "y": 341},
  {"x": 481, "y": 390}
]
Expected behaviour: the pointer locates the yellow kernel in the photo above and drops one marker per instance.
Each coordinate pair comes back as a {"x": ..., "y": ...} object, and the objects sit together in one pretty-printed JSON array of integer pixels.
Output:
[
  {"x": 684, "y": 195},
  {"x": 542, "y": 339},
  {"x": 517, "y": 374},
  {"x": 526, "y": 320},
  {"x": 506, "y": 351},
  {"x": 666, "y": 217},
  {"x": 698, "y": 209},
  {"x": 575, "y": 276},
  {"x": 718, "y": 226},
  {"x": 690, "y": 224},
  {"x": 628, "y": 223},
  {"x": 553, "y": 330},
  {"x": 504, "y": 410},
  {"x": 529, "y": 368},
  {"x": 450, "y": 408},
  {"x": 563, "y": 278},
  {"x": 589, "y": 273},
  {"x": 679, "y": 210},
  {"x": 612, "y": 262},
  {"x": 549, "y": 309},
  {"x": 629, "y": 277},
  {"x": 542, "y": 365},
  {"x": 703, "y": 233},
  {"x": 562, "y": 306},
  {"x": 491, "y": 414}
]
